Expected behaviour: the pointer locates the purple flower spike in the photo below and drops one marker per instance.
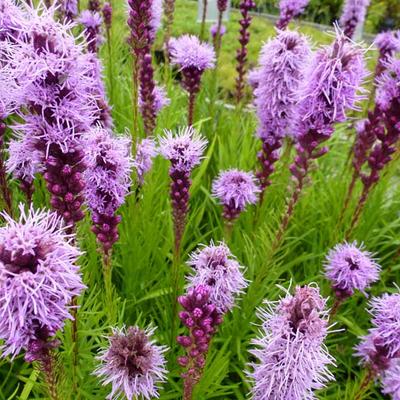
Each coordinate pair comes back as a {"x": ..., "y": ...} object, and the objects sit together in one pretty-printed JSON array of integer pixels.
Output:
[
  {"x": 184, "y": 150},
  {"x": 133, "y": 364},
  {"x": 282, "y": 67},
  {"x": 235, "y": 190},
  {"x": 92, "y": 23},
  {"x": 388, "y": 43},
  {"x": 107, "y": 182},
  {"x": 293, "y": 360},
  {"x": 12, "y": 20},
  {"x": 38, "y": 279},
  {"x": 69, "y": 9},
  {"x": 244, "y": 37},
  {"x": 94, "y": 5},
  {"x": 107, "y": 15},
  {"x": 201, "y": 317},
  {"x": 289, "y": 9},
  {"x": 350, "y": 268},
  {"x": 214, "y": 30},
  {"x": 193, "y": 58},
  {"x": 382, "y": 343},
  {"x": 215, "y": 266},
  {"x": 145, "y": 152},
  {"x": 391, "y": 380},
  {"x": 353, "y": 14}
]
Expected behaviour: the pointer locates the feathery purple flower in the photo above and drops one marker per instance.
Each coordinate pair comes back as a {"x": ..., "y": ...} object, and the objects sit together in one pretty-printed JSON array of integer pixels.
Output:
[
  {"x": 132, "y": 363},
  {"x": 281, "y": 69},
  {"x": 214, "y": 30},
  {"x": 215, "y": 266},
  {"x": 69, "y": 9},
  {"x": 107, "y": 179},
  {"x": 388, "y": 44},
  {"x": 202, "y": 318},
  {"x": 92, "y": 21},
  {"x": 382, "y": 343},
  {"x": 184, "y": 150},
  {"x": 160, "y": 100},
  {"x": 235, "y": 189},
  {"x": 350, "y": 268},
  {"x": 38, "y": 279},
  {"x": 391, "y": 380},
  {"x": 292, "y": 358},
  {"x": 289, "y": 9},
  {"x": 193, "y": 58},
  {"x": 353, "y": 14},
  {"x": 145, "y": 152},
  {"x": 107, "y": 15},
  {"x": 12, "y": 20}
]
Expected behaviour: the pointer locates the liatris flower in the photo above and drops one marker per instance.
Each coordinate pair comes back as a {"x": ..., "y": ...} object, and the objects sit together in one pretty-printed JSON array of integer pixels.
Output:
[
  {"x": 350, "y": 268},
  {"x": 330, "y": 89},
  {"x": 388, "y": 43},
  {"x": 160, "y": 100},
  {"x": 52, "y": 66},
  {"x": 107, "y": 15},
  {"x": 293, "y": 360},
  {"x": 382, "y": 343},
  {"x": 244, "y": 38},
  {"x": 184, "y": 150},
  {"x": 145, "y": 152},
  {"x": 385, "y": 124},
  {"x": 92, "y": 23},
  {"x": 222, "y": 6},
  {"x": 215, "y": 266},
  {"x": 391, "y": 380},
  {"x": 193, "y": 58},
  {"x": 94, "y": 5},
  {"x": 107, "y": 179},
  {"x": 353, "y": 14},
  {"x": 289, "y": 9},
  {"x": 202, "y": 318},
  {"x": 235, "y": 190},
  {"x": 69, "y": 9},
  {"x": 132, "y": 363},
  {"x": 38, "y": 278},
  {"x": 214, "y": 30},
  {"x": 12, "y": 19},
  {"x": 282, "y": 64},
  {"x": 144, "y": 20},
  {"x": 253, "y": 78}
]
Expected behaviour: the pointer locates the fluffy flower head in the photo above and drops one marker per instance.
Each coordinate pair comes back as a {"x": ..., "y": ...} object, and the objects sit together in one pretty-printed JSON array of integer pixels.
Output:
[
  {"x": 184, "y": 149},
  {"x": 108, "y": 171},
  {"x": 292, "y": 7},
  {"x": 215, "y": 266},
  {"x": 388, "y": 42},
  {"x": 132, "y": 363},
  {"x": 391, "y": 380},
  {"x": 350, "y": 268},
  {"x": 388, "y": 89},
  {"x": 353, "y": 13},
  {"x": 145, "y": 152},
  {"x": 281, "y": 69},
  {"x": 160, "y": 99},
  {"x": 38, "y": 278},
  {"x": 235, "y": 188},
  {"x": 188, "y": 52},
  {"x": 293, "y": 360}
]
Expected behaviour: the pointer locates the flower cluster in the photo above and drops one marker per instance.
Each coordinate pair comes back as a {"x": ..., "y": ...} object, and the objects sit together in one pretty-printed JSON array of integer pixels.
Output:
[
  {"x": 92, "y": 21},
  {"x": 293, "y": 361},
  {"x": 107, "y": 179},
  {"x": 184, "y": 150},
  {"x": 145, "y": 152},
  {"x": 107, "y": 15},
  {"x": 193, "y": 58},
  {"x": 38, "y": 279},
  {"x": 235, "y": 190},
  {"x": 353, "y": 14},
  {"x": 391, "y": 380},
  {"x": 381, "y": 346},
  {"x": 289, "y": 9},
  {"x": 202, "y": 318},
  {"x": 350, "y": 268},
  {"x": 132, "y": 363},
  {"x": 69, "y": 9},
  {"x": 214, "y": 266},
  {"x": 281, "y": 69},
  {"x": 388, "y": 43}
]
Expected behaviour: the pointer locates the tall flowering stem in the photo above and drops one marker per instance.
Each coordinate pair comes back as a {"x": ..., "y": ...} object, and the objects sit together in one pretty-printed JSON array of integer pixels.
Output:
[
  {"x": 92, "y": 22},
  {"x": 222, "y": 6},
  {"x": 107, "y": 18},
  {"x": 244, "y": 38},
  {"x": 169, "y": 9},
  {"x": 201, "y": 317},
  {"x": 330, "y": 88},
  {"x": 289, "y": 9},
  {"x": 388, "y": 44},
  {"x": 203, "y": 19},
  {"x": 353, "y": 14},
  {"x": 293, "y": 328},
  {"x": 281, "y": 70},
  {"x": 193, "y": 58},
  {"x": 388, "y": 102}
]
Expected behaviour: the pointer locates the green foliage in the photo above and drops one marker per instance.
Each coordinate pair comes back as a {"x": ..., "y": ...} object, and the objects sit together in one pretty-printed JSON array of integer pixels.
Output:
[{"x": 142, "y": 258}]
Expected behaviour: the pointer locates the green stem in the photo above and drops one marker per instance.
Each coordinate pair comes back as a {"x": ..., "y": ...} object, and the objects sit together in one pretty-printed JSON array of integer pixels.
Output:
[
  {"x": 110, "y": 66},
  {"x": 109, "y": 297}
]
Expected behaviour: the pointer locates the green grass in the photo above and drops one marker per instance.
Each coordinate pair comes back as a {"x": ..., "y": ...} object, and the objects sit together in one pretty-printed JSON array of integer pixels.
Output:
[{"x": 142, "y": 258}]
